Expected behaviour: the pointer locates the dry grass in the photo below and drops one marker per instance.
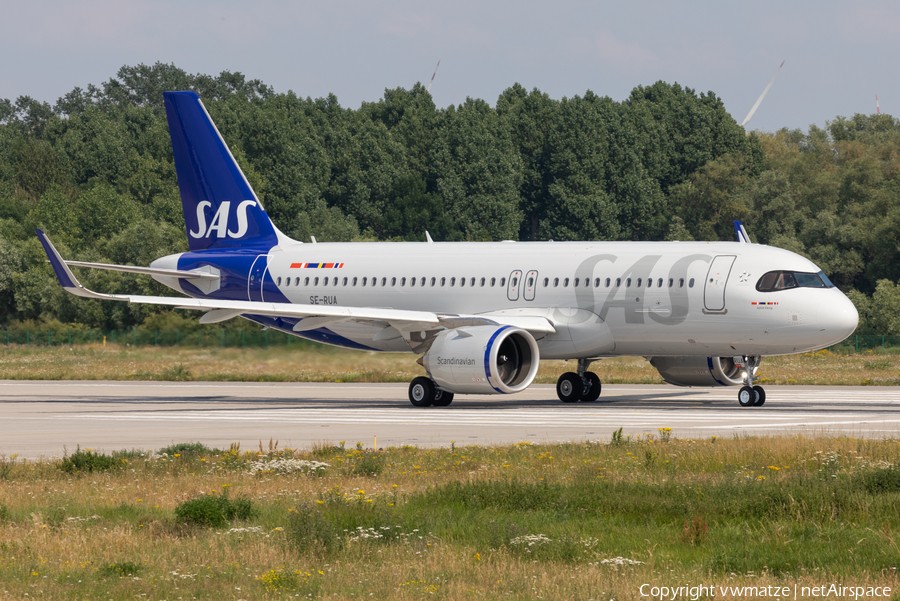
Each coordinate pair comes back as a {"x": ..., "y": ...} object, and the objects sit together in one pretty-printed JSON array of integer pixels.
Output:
[
  {"x": 51, "y": 546},
  {"x": 317, "y": 363}
]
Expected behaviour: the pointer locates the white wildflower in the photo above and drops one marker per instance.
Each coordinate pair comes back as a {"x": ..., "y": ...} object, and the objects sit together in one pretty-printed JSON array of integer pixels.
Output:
[
  {"x": 286, "y": 466},
  {"x": 530, "y": 540},
  {"x": 621, "y": 561}
]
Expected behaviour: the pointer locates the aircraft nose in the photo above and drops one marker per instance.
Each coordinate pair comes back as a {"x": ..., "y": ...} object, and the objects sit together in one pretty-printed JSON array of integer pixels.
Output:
[{"x": 838, "y": 317}]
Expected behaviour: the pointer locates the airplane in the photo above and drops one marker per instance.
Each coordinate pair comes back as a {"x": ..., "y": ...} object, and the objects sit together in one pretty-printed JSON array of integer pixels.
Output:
[{"x": 481, "y": 315}]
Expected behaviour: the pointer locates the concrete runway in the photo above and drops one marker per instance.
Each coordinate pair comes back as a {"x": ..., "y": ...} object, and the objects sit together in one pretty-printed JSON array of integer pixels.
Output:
[{"x": 40, "y": 418}]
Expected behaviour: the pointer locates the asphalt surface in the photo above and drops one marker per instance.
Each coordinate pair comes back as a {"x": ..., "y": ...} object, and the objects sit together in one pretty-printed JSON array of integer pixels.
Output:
[{"x": 45, "y": 418}]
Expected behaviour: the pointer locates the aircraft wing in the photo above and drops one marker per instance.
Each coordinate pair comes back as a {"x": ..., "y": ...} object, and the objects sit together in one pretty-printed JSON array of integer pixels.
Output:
[{"x": 311, "y": 316}]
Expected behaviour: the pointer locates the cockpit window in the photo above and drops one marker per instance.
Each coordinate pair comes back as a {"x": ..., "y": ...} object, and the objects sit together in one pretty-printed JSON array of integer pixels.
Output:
[{"x": 784, "y": 280}]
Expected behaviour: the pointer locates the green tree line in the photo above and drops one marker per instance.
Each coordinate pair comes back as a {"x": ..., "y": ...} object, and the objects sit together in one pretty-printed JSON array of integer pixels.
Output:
[{"x": 95, "y": 171}]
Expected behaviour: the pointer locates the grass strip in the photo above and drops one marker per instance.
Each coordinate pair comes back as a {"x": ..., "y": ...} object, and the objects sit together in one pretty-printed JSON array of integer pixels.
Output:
[
  {"x": 328, "y": 364},
  {"x": 582, "y": 521}
]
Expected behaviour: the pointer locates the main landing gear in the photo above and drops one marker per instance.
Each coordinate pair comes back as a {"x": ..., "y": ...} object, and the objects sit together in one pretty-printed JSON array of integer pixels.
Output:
[
  {"x": 423, "y": 393},
  {"x": 750, "y": 395},
  {"x": 583, "y": 386}
]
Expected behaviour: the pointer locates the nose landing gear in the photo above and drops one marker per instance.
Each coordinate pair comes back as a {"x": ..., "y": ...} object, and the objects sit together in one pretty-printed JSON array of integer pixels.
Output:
[
  {"x": 583, "y": 386},
  {"x": 749, "y": 394}
]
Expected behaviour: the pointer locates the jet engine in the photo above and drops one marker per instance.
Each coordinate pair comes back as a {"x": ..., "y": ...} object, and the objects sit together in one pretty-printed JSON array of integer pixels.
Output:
[
  {"x": 699, "y": 371},
  {"x": 483, "y": 360}
]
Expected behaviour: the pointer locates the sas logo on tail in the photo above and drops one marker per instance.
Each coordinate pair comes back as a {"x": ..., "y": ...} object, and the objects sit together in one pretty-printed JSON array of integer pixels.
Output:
[{"x": 219, "y": 223}]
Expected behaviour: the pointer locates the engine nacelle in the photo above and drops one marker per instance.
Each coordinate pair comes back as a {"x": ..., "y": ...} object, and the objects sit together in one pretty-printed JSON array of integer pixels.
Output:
[
  {"x": 699, "y": 371},
  {"x": 483, "y": 360}
]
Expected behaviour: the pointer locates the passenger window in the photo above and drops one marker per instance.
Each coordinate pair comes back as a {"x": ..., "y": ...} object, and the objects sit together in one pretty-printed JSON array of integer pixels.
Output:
[
  {"x": 597, "y": 282},
  {"x": 354, "y": 282},
  {"x": 530, "y": 282},
  {"x": 462, "y": 282},
  {"x": 278, "y": 282},
  {"x": 493, "y": 281},
  {"x": 503, "y": 281},
  {"x": 608, "y": 281},
  {"x": 306, "y": 281},
  {"x": 422, "y": 282},
  {"x": 482, "y": 282},
  {"x": 566, "y": 283},
  {"x": 453, "y": 281},
  {"x": 443, "y": 281},
  {"x": 403, "y": 281},
  {"x": 555, "y": 282},
  {"x": 691, "y": 283},
  {"x": 515, "y": 282},
  {"x": 659, "y": 283},
  {"x": 364, "y": 281},
  {"x": 324, "y": 281},
  {"x": 384, "y": 281},
  {"x": 618, "y": 282},
  {"x": 628, "y": 283},
  {"x": 345, "y": 281},
  {"x": 681, "y": 282},
  {"x": 315, "y": 281},
  {"x": 649, "y": 282},
  {"x": 393, "y": 281},
  {"x": 433, "y": 281},
  {"x": 296, "y": 281},
  {"x": 472, "y": 282},
  {"x": 546, "y": 282},
  {"x": 412, "y": 281},
  {"x": 576, "y": 282}
]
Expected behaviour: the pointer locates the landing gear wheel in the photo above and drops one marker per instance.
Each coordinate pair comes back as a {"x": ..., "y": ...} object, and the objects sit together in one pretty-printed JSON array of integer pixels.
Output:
[
  {"x": 760, "y": 396},
  {"x": 747, "y": 396},
  {"x": 421, "y": 392},
  {"x": 569, "y": 387},
  {"x": 593, "y": 387},
  {"x": 442, "y": 398}
]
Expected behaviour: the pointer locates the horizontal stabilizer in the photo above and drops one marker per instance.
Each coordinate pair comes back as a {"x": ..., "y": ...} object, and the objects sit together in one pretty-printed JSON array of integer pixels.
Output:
[{"x": 169, "y": 273}]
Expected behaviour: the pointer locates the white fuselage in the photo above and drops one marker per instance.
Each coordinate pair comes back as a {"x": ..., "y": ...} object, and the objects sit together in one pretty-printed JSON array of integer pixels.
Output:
[{"x": 606, "y": 298}]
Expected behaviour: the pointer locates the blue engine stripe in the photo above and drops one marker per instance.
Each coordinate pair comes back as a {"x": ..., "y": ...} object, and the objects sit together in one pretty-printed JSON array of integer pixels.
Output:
[
  {"x": 487, "y": 357},
  {"x": 712, "y": 372}
]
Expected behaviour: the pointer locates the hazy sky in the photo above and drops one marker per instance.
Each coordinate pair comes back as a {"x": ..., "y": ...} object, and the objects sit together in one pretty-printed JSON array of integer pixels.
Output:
[{"x": 837, "y": 53}]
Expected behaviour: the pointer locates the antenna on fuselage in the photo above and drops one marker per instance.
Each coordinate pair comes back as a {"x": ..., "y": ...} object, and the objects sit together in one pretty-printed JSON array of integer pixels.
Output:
[
  {"x": 428, "y": 237},
  {"x": 313, "y": 238}
]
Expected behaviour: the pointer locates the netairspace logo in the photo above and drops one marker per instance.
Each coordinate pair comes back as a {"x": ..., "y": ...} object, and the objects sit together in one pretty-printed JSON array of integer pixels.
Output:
[
  {"x": 219, "y": 224},
  {"x": 693, "y": 593}
]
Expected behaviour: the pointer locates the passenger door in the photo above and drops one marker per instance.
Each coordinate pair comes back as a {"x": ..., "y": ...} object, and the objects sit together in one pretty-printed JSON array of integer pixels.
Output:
[
  {"x": 255, "y": 278},
  {"x": 716, "y": 279}
]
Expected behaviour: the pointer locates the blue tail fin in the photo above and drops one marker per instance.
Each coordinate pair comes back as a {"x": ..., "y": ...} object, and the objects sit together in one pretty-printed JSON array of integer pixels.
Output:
[{"x": 220, "y": 208}]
